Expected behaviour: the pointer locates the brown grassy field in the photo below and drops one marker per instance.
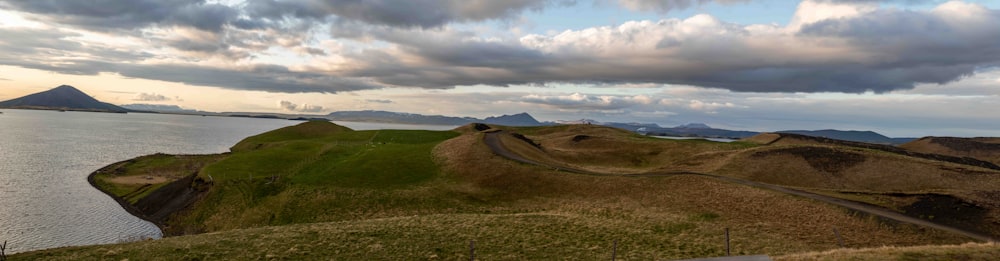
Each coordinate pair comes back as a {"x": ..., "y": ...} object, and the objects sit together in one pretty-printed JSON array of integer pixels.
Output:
[
  {"x": 987, "y": 149},
  {"x": 970, "y": 252},
  {"x": 517, "y": 211},
  {"x": 956, "y": 194}
]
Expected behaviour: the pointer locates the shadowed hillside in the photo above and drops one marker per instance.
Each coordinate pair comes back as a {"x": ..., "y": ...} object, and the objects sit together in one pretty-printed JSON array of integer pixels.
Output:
[
  {"x": 797, "y": 139},
  {"x": 986, "y": 149}
]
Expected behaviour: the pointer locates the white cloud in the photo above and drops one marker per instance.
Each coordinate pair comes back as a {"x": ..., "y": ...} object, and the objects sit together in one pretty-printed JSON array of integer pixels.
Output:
[
  {"x": 709, "y": 107},
  {"x": 579, "y": 101},
  {"x": 150, "y": 97},
  {"x": 290, "y": 106},
  {"x": 669, "y": 5}
]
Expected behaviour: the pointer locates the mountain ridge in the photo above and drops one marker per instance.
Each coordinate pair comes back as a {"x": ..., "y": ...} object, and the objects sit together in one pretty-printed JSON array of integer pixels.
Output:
[{"x": 519, "y": 119}]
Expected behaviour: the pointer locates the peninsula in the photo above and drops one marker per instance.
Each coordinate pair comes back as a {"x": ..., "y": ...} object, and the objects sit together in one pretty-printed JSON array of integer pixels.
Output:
[{"x": 318, "y": 189}]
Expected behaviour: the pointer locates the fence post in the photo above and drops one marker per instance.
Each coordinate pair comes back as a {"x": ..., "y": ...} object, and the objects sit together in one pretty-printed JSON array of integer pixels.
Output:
[
  {"x": 472, "y": 250},
  {"x": 614, "y": 250},
  {"x": 727, "y": 242},
  {"x": 840, "y": 240}
]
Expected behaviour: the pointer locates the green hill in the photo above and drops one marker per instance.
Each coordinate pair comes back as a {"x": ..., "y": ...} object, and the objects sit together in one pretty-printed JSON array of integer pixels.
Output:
[
  {"x": 64, "y": 97},
  {"x": 320, "y": 191}
]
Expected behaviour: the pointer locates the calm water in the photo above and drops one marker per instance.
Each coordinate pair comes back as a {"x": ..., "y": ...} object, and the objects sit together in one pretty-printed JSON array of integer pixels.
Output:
[
  {"x": 45, "y": 157},
  {"x": 695, "y": 138}
]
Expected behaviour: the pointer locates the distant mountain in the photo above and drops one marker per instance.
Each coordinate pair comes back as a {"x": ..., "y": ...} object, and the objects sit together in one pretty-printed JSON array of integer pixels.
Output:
[
  {"x": 158, "y": 108},
  {"x": 693, "y": 126},
  {"x": 398, "y": 117},
  {"x": 520, "y": 119},
  {"x": 64, "y": 97},
  {"x": 580, "y": 121},
  {"x": 686, "y": 130},
  {"x": 859, "y": 136}
]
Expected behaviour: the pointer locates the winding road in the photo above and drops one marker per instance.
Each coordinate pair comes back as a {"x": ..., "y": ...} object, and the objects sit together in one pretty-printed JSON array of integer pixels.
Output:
[{"x": 493, "y": 141}]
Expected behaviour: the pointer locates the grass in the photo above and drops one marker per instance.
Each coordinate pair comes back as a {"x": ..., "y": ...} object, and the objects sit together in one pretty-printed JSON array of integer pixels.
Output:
[
  {"x": 533, "y": 236},
  {"x": 165, "y": 168},
  {"x": 605, "y": 149},
  {"x": 329, "y": 192},
  {"x": 971, "y": 251}
]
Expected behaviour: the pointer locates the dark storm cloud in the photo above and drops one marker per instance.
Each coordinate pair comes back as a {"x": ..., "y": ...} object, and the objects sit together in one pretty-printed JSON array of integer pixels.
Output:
[
  {"x": 128, "y": 14},
  {"x": 408, "y": 44},
  {"x": 270, "y": 78},
  {"x": 412, "y": 13},
  {"x": 903, "y": 38},
  {"x": 51, "y": 51},
  {"x": 880, "y": 51}
]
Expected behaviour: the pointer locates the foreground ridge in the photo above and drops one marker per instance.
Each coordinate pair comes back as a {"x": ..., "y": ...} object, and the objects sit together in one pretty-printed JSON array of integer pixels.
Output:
[{"x": 493, "y": 141}]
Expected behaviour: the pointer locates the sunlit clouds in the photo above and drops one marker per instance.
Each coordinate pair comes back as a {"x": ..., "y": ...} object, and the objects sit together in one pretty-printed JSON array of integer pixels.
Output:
[{"x": 479, "y": 58}]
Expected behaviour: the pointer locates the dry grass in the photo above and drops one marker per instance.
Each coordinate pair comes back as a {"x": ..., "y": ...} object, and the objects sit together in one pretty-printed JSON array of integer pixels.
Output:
[
  {"x": 773, "y": 223},
  {"x": 986, "y": 149},
  {"x": 517, "y": 211},
  {"x": 877, "y": 172},
  {"x": 969, "y": 251},
  {"x": 135, "y": 178},
  {"x": 609, "y": 150},
  {"x": 763, "y": 138}
]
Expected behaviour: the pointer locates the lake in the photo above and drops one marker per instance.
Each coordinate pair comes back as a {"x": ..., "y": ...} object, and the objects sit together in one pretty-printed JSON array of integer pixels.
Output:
[
  {"x": 45, "y": 157},
  {"x": 695, "y": 138}
]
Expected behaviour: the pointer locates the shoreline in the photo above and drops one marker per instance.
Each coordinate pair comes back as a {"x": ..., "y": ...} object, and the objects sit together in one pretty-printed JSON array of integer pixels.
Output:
[
  {"x": 157, "y": 206},
  {"x": 131, "y": 209}
]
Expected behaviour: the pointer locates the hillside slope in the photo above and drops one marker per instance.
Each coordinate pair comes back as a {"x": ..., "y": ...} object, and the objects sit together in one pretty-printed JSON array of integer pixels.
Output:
[
  {"x": 318, "y": 190},
  {"x": 986, "y": 149}
]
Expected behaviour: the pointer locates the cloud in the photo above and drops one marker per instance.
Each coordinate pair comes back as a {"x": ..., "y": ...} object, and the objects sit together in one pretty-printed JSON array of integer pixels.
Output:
[
  {"x": 57, "y": 51},
  {"x": 854, "y": 51},
  {"x": 379, "y": 101},
  {"x": 830, "y": 46},
  {"x": 579, "y": 101},
  {"x": 669, "y": 5},
  {"x": 412, "y": 13},
  {"x": 128, "y": 14},
  {"x": 150, "y": 97},
  {"x": 710, "y": 107},
  {"x": 289, "y": 106}
]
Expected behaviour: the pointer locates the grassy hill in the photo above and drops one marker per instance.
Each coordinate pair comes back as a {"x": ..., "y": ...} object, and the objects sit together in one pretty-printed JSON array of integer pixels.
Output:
[
  {"x": 987, "y": 149},
  {"x": 318, "y": 190}
]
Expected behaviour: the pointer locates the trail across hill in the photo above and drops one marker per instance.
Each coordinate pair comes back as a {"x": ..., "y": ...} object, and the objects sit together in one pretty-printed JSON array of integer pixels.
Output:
[{"x": 492, "y": 140}]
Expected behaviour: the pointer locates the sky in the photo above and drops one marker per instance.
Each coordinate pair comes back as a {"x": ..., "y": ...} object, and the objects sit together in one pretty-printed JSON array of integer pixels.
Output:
[{"x": 904, "y": 68}]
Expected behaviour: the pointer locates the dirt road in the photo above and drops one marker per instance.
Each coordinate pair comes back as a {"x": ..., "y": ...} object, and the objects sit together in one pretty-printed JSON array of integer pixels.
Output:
[{"x": 492, "y": 140}]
